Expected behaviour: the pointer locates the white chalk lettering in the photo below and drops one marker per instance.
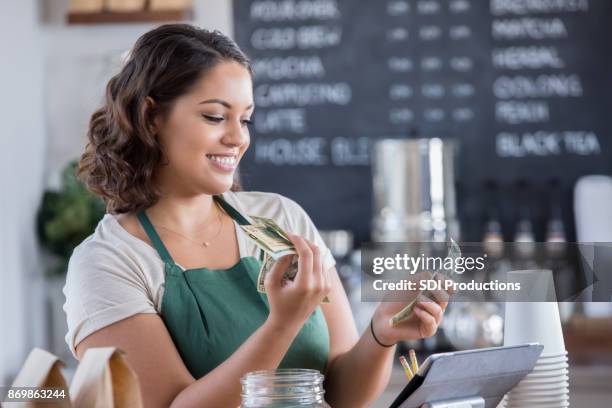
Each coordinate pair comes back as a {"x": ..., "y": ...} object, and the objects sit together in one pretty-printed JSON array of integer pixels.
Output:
[
  {"x": 273, "y": 38},
  {"x": 400, "y": 64},
  {"x": 463, "y": 114},
  {"x": 539, "y": 143},
  {"x": 292, "y": 10},
  {"x": 459, "y": 6},
  {"x": 302, "y": 94},
  {"x": 522, "y": 7},
  {"x": 434, "y": 115},
  {"x": 289, "y": 67},
  {"x": 398, "y": 116},
  {"x": 431, "y": 64},
  {"x": 531, "y": 57},
  {"x": 547, "y": 143},
  {"x": 428, "y": 7},
  {"x": 400, "y": 91},
  {"x": 287, "y": 38},
  {"x": 433, "y": 91},
  {"x": 581, "y": 143},
  {"x": 305, "y": 151},
  {"x": 528, "y": 28},
  {"x": 318, "y": 36},
  {"x": 397, "y": 34},
  {"x": 430, "y": 33},
  {"x": 350, "y": 152},
  {"x": 281, "y": 120},
  {"x": 542, "y": 86},
  {"x": 398, "y": 8},
  {"x": 463, "y": 90},
  {"x": 461, "y": 64},
  {"x": 459, "y": 32},
  {"x": 516, "y": 112}
]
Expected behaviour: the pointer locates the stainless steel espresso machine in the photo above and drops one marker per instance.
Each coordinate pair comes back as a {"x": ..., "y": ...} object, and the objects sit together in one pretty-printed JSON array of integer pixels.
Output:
[{"x": 414, "y": 190}]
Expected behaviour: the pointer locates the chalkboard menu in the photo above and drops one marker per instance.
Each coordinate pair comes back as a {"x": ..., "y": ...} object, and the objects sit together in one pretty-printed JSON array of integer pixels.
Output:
[{"x": 524, "y": 86}]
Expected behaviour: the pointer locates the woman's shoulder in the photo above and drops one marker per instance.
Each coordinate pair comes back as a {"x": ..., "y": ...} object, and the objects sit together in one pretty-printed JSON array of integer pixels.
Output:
[
  {"x": 102, "y": 241},
  {"x": 107, "y": 281},
  {"x": 265, "y": 204},
  {"x": 256, "y": 197},
  {"x": 97, "y": 242},
  {"x": 109, "y": 248},
  {"x": 109, "y": 265}
]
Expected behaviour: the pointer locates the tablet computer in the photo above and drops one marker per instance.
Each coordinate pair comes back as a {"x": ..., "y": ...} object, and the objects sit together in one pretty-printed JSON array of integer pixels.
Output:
[{"x": 488, "y": 373}]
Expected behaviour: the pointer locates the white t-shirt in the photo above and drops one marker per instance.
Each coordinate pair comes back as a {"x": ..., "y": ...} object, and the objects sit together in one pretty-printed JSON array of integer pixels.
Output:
[{"x": 113, "y": 275}]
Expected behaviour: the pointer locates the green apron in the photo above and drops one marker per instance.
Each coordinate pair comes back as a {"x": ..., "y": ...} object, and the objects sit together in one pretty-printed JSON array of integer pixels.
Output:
[{"x": 211, "y": 312}]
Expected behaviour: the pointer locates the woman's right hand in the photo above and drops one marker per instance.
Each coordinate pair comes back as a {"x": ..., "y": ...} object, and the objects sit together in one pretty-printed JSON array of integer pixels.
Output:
[{"x": 292, "y": 302}]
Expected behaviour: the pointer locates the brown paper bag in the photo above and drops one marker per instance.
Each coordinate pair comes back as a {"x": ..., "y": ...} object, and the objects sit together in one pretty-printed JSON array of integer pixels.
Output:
[
  {"x": 104, "y": 379},
  {"x": 125, "y": 6},
  {"x": 86, "y": 6},
  {"x": 170, "y": 4},
  {"x": 42, "y": 370}
]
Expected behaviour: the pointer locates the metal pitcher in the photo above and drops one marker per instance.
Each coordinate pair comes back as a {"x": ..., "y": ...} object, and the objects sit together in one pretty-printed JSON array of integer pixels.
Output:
[{"x": 414, "y": 190}]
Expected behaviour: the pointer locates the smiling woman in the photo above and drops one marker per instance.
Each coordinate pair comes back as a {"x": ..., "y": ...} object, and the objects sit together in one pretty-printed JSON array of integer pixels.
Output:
[
  {"x": 161, "y": 85},
  {"x": 169, "y": 277}
]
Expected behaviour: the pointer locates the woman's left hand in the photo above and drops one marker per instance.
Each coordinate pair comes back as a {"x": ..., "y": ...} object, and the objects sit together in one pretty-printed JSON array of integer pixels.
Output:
[{"x": 422, "y": 322}]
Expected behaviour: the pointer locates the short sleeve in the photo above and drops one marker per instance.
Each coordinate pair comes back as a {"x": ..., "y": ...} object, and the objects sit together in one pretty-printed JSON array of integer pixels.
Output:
[
  {"x": 103, "y": 286},
  {"x": 300, "y": 223}
]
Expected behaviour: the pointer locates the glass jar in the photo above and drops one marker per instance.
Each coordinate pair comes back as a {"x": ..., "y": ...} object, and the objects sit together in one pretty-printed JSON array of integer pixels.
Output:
[{"x": 283, "y": 388}]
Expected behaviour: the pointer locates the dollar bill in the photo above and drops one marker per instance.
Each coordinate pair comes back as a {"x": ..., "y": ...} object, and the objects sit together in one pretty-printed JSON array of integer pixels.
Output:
[
  {"x": 275, "y": 243},
  {"x": 454, "y": 252},
  {"x": 272, "y": 226},
  {"x": 266, "y": 266},
  {"x": 272, "y": 243}
]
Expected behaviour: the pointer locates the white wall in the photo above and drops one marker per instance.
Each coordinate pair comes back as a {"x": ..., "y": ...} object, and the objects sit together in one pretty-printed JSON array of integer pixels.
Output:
[
  {"x": 52, "y": 77},
  {"x": 22, "y": 152}
]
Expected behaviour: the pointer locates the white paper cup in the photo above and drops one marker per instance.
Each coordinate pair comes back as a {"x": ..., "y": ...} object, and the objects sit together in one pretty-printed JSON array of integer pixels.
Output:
[
  {"x": 538, "y": 405},
  {"x": 522, "y": 387},
  {"x": 546, "y": 374},
  {"x": 532, "y": 401},
  {"x": 550, "y": 363},
  {"x": 528, "y": 393},
  {"x": 531, "y": 322},
  {"x": 548, "y": 355},
  {"x": 550, "y": 367},
  {"x": 545, "y": 380},
  {"x": 548, "y": 360},
  {"x": 555, "y": 396}
]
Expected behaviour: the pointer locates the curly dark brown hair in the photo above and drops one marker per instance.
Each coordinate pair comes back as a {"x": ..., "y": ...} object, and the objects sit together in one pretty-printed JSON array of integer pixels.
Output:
[{"x": 123, "y": 150}]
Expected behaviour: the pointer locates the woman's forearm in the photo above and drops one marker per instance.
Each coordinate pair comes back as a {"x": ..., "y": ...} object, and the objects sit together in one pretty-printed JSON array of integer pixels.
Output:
[
  {"x": 357, "y": 377},
  {"x": 221, "y": 387}
]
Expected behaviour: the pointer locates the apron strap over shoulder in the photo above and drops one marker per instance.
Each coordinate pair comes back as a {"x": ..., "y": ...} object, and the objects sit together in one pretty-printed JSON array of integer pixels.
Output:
[
  {"x": 231, "y": 210},
  {"x": 154, "y": 237},
  {"x": 237, "y": 216}
]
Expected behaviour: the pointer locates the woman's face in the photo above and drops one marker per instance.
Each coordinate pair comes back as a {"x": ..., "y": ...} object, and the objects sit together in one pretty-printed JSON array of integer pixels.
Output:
[{"x": 205, "y": 134}]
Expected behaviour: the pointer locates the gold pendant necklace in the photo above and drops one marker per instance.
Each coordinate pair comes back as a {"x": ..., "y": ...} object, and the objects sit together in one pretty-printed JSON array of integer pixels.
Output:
[{"x": 205, "y": 244}]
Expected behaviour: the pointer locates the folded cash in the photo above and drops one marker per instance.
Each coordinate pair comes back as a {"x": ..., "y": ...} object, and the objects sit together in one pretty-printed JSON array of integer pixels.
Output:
[
  {"x": 454, "y": 252},
  {"x": 266, "y": 266},
  {"x": 275, "y": 243}
]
